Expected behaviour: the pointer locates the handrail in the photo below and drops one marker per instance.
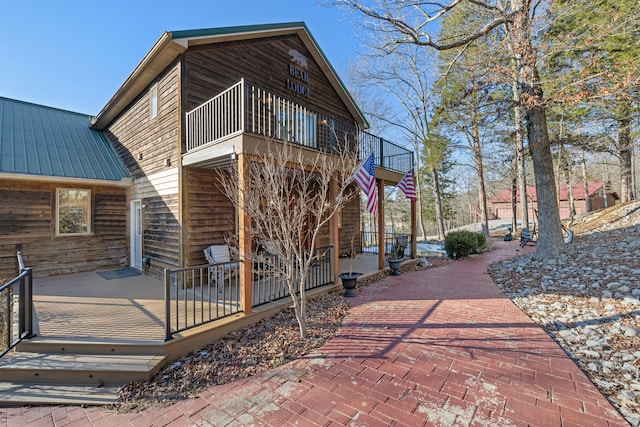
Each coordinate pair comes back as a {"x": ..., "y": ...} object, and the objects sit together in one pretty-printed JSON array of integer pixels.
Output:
[{"x": 15, "y": 330}]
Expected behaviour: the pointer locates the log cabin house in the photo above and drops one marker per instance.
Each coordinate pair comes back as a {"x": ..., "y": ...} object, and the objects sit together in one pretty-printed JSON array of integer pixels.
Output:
[{"x": 136, "y": 180}]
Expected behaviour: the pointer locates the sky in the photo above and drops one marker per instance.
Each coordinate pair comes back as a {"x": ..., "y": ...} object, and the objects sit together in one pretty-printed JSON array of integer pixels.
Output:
[{"x": 74, "y": 55}]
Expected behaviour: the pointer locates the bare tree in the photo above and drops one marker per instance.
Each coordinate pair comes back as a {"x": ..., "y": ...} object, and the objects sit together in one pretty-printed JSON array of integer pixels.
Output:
[
  {"x": 412, "y": 22},
  {"x": 404, "y": 76},
  {"x": 289, "y": 195}
]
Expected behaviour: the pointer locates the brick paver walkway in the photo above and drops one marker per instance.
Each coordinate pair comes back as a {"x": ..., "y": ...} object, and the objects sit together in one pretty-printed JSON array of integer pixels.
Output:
[{"x": 441, "y": 347}]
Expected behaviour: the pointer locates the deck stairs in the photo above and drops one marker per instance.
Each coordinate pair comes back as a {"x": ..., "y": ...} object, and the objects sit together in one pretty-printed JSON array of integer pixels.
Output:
[{"x": 74, "y": 371}]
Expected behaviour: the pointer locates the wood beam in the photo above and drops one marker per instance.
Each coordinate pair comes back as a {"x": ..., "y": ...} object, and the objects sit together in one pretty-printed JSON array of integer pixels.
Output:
[
  {"x": 244, "y": 236},
  {"x": 414, "y": 230},
  {"x": 381, "y": 242},
  {"x": 334, "y": 231}
]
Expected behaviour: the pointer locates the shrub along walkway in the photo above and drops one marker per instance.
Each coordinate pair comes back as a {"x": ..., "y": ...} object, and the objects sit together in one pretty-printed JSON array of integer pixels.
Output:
[{"x": 438, "y": 347}]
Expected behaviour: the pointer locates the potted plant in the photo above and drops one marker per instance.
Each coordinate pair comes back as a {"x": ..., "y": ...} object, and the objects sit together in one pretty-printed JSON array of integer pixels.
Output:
[
  {"x": 394, "y": 261},
  {"x": 396, "y": 255},
  {"x": 350, "y": 279}
]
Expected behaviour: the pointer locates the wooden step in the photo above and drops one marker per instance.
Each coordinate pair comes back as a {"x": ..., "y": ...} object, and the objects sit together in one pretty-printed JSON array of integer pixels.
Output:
[
  {"x": 94, "y": 369},
  {"x": 89, "y": 346},
  {"x": 22, "y": 394}
]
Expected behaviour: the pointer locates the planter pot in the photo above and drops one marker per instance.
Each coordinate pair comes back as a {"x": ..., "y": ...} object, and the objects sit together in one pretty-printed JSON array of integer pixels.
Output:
[
  {"x": 394, "y": 264},
  {"x": 349, "y": 281}
]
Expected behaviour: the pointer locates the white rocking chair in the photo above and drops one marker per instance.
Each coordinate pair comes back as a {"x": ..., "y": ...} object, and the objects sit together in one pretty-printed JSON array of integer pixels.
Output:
[{"x": 221, "y": 267}]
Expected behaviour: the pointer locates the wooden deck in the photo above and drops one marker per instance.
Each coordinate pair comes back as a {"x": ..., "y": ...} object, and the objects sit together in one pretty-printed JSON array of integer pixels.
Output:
[{"x": 87, "y": 306}]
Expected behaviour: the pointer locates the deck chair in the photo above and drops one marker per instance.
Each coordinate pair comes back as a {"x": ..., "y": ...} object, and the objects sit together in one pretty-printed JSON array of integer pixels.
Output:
[
  {"x": 402, "y": 241},
  {"x": 221, "y": 267},
  {"x": 528, "y": 237}
]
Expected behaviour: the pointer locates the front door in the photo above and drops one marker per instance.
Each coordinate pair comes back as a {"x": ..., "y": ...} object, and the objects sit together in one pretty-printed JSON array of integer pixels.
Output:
[{"x": 136, "y": 234}]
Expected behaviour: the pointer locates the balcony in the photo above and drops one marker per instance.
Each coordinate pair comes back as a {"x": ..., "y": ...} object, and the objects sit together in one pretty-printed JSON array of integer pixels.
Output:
[{"x": 246, "y": 108}]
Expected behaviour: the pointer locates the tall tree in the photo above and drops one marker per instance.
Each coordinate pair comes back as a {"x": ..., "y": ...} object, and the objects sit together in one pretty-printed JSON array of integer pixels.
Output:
[
  {"x": 594, "y": 61},
  {"x": 435, "y": 155},
  {"x": 406, "y": 75},
  {"x": 414, "y": 22},
  {"x": 471, "y": 99}
]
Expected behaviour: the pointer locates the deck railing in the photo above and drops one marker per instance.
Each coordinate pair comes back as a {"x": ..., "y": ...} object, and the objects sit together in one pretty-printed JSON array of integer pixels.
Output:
[
  {"x": 16, "y": 313},
  {"x": 201, "y": 294},
  {"x": 268, "y": 285},
  {"x": 248, "y": 108}
]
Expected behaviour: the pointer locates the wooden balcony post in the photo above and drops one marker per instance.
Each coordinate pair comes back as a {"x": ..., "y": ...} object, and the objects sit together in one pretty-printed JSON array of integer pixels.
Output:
[
  {"x": 334, "y": 232},
  {"x": 381, "y": 242},
  {"x": 244, "y": 236},
  {"x": 414, "y": 230}
]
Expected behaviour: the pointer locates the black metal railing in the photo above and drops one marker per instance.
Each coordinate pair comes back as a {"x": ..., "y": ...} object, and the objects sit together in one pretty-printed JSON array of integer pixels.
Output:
[
  {"x": 16, "y": 313},
  {"x": 201, "y": 294},
  {"x": 370, "y": 242},
  {"x": 197, "y": 295},
  {"x": 269, "y": 284}
]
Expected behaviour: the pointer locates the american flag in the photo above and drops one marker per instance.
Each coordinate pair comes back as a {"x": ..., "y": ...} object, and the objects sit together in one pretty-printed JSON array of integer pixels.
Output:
[
  {"x": 407, "y": 187},
  {"x": 366, "y": 180}
]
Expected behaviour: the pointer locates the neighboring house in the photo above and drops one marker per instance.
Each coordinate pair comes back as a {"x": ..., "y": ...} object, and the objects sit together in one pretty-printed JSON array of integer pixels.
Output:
[
  {"x": 137, "y": 183},
  {"x": 598, "y": 194}
]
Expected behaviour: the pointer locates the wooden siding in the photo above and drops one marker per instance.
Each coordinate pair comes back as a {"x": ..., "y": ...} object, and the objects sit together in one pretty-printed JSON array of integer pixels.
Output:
[
  {"x": 210, "y": 216},
  {"x": 210, "y": 69},
  {"x": 350, "y": 227},
  {"x": 142, "y": 142},
  {"x": 27, "y": 218},
  {"x": 145, "y": 144}
]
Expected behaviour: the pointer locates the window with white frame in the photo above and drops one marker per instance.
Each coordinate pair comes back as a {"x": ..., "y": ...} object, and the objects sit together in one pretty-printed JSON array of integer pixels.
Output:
[
  {"x": 73, "y": 211},
  {"x": 154, "y": 100}
]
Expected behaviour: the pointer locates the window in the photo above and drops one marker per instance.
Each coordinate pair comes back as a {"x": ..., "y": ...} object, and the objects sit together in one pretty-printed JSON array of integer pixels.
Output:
[
  {"x": 296, "y": 124},
  {"x": 154, "y": 100},
  {"x": 73, "y": 211}
]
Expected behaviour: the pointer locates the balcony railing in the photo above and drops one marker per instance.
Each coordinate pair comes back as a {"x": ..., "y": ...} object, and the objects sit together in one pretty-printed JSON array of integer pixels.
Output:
[{"x": 248, "y": 108}]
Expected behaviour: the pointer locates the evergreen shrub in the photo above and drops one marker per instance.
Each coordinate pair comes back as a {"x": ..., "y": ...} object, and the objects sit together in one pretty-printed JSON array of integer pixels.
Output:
[{"x": 461, "y": 244}]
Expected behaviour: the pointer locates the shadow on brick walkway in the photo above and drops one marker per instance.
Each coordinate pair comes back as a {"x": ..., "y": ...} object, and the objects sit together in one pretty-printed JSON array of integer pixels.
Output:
[{"x": 438, "y": 347}]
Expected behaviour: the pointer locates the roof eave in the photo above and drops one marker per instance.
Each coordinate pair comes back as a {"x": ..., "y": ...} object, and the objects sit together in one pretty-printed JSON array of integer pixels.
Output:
[
  {"x": 124, "y": 182},
  {"x": 163, "y": 53}
]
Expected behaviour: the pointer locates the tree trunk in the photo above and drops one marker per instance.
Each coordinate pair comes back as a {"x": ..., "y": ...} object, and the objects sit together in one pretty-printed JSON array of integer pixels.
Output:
[
  {"x": 550, "y": 242},
  {"x": 566, "y": 170},
  {"x": 585, "y": 183},
  {"x": 514, "y": 205},
  {"x": 438, "y": 203},
  {"x": 625, "y": 147},
  {"x": 482, "y": 193},
  {"x": 520, "y": 159}
]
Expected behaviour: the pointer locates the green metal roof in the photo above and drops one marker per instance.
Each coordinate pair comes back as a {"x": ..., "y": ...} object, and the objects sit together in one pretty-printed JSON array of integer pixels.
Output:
[
  {"x": 44, "y": 141},
  {"x": 210, "y": 32}
]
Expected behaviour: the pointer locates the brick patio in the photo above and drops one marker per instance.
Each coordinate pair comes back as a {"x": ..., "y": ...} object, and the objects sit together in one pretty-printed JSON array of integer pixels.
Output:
[{"x": 440, "y": 347}]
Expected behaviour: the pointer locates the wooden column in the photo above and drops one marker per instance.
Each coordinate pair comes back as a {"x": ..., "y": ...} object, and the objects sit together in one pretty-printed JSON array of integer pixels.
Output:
[
  {"x": 244, "y": 236},
  {"x": 334, "y": 232},
  {"x": 381, "y": 242},
  {"x": 414, "y": 230}
]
